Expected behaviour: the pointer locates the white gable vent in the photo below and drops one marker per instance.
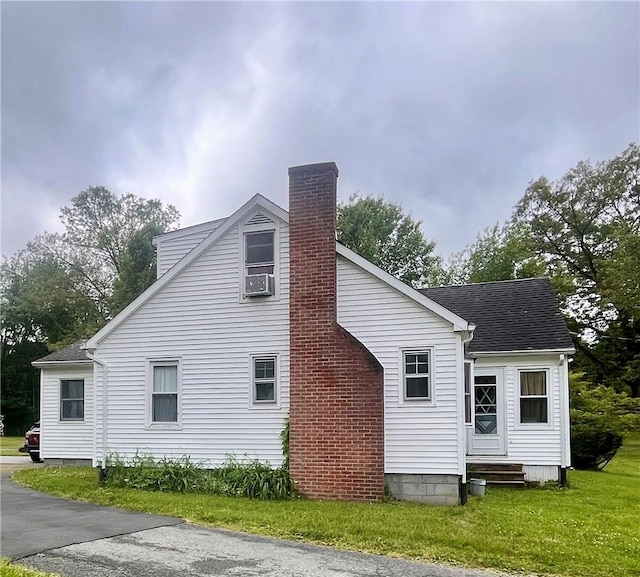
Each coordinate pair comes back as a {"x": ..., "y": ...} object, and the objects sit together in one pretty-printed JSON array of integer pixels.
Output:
[
  {"x": 258, "y": 285},
  {"x": 259, "y": 218}
]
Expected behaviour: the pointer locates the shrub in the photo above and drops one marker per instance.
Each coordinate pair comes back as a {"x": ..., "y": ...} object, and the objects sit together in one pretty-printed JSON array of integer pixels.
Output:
[
  {"x": 250, "y": 478},
  {"x": 600, "y": 417}
]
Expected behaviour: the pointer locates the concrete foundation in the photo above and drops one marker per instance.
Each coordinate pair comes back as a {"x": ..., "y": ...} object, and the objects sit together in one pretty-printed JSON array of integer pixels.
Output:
[
  {"x": 432, "y": 489},
  {"x": 69, "y": 462}
]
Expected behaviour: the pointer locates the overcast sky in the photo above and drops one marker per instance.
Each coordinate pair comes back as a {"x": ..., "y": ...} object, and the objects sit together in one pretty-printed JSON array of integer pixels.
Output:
[{"x": 449, "y": 108}]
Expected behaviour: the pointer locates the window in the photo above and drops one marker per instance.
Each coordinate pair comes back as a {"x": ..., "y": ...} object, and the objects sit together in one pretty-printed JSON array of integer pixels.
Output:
[
  {"x": 467, "y": 392},
  {"x": 417, "y": 377},
  {"x": 258, "y": 254},
  {"x": 533, "y": 397},
  {"x": 264, "y": 380},
  {"x": 72, "y": 400},
  {"x": 164, "y": 392}
]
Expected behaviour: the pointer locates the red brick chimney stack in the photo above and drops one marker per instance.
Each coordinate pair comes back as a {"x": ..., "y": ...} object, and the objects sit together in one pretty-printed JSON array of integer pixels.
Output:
[{"x": 336, "y": 384}]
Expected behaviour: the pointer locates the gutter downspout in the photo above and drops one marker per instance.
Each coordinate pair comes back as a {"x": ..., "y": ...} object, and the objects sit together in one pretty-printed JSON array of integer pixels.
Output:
[
  {"x": 565, "y": 420},
  {"x": 465, "y": 338},
  {"x": 105, "y": 381}
]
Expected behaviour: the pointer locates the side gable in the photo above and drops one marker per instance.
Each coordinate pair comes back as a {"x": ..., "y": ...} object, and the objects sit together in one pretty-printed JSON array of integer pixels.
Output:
[
  {"x": 459, "y": 323},
  {"x": 257, "y": 202},
  {"x": 511, "y": 316},
  {"x": 262, "y": 207},
  {"x": 172, "y": 246}
]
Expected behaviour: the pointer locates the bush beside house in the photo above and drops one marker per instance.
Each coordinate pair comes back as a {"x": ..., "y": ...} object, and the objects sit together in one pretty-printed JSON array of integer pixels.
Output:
[{"x": 600, "y": 419}]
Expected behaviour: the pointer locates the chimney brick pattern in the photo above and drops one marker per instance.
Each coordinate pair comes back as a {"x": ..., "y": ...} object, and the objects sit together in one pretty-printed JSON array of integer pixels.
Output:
[{"x": 336, "y": 384}]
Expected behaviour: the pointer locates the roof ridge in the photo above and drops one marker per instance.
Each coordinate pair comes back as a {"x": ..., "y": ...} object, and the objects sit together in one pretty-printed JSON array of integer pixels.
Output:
[{"x": 528, "y": 279}]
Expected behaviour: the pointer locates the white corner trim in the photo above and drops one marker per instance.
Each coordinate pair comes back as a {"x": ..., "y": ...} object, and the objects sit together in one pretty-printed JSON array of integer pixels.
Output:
[
  {"x": 257, "y": 201},
  {"x": 459, "y": 324}
]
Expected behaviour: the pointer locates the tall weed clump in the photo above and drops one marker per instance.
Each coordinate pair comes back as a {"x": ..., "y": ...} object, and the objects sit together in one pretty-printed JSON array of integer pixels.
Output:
[{"x": 236, "y": 478}]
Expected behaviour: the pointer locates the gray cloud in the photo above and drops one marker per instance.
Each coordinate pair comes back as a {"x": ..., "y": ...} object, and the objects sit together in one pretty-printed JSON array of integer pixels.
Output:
[{"x": 450, "y": 109}]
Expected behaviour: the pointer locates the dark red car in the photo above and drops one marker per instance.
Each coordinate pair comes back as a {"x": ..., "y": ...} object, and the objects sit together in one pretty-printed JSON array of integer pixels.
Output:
[{"x": 32, "y": 442}]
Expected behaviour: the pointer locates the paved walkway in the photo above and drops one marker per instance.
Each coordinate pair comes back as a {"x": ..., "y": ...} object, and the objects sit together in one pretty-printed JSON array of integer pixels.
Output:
[{"x": 79, "y": 539}]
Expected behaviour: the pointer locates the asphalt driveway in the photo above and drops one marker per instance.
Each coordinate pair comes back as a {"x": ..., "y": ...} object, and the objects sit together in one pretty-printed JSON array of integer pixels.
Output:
[
  {"x": 79, "y": 539},
  {"x": 32, "y": 522}
]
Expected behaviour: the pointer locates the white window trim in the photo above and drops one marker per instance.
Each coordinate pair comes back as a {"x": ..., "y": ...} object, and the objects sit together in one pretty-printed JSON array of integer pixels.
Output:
[
  {"x": 518, "y": 423},
  {"x": 151, "y": 363},
  {"x": 402, "y": 391},
  {"x": 248, "y": 229},
  {"x": 84, "y": 399},
  {"x": 262, "y": 405}
]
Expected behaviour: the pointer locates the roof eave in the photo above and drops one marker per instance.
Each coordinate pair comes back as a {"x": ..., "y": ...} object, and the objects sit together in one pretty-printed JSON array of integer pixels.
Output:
[
  {"x": 525, "y": 352},
  {"x": 46, "y": 364}
]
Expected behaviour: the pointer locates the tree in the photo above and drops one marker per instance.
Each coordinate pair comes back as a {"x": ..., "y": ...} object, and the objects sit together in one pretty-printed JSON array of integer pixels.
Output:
[
  {"x": 498, "y": 253},
  {"x": 137, "y": 268},
  {"x": 95, "y": 247},
  {"x": 64, "y": 287},
  {"x": 586, "y": 227},
  {"x": 379, "y": 231}
]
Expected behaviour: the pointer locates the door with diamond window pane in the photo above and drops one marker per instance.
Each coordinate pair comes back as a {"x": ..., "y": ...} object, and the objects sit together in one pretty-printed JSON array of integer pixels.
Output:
[{"x": 487, "y": 432}]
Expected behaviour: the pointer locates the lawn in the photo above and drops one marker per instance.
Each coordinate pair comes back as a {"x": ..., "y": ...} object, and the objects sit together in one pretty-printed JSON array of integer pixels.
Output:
[
  {"x": 8, "y": 569},
  {"x": 588, "y": 530},
  {"x": 9, "y": 446}
]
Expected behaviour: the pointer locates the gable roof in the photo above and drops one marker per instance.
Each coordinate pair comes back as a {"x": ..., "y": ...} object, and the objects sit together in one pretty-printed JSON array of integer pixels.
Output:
[
  {"x": 259, "y": 201},
  {"x": 518, "y": 315},
  {"x": 459, "y": 322},
  {"x": 71, "y": 354},
  {"x": 256, "y": 201}
]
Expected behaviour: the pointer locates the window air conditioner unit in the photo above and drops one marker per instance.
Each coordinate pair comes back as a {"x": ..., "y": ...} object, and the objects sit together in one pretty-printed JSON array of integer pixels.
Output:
[{"x": 258, "y": 285}]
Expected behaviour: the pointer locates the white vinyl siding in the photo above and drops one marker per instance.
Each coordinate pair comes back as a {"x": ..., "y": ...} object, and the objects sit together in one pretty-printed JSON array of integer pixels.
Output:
[
  {"x": 419, "y": 437},
  {"x": 65, "y": 438},
  {"x": 530, "y": 444},
  {"x": 197, "y": 317},
  {"x": 170, "y": 250}
]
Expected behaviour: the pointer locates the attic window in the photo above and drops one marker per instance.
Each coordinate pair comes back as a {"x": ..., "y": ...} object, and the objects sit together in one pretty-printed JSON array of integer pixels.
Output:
[{"x": 259, "y": 252}]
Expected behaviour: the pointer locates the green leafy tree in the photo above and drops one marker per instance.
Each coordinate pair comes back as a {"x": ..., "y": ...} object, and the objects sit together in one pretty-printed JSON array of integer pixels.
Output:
[
  {"x": 137, "y": 268},
  {"x": 498, "y": 253},
  {"x": 586, "y": 228},
  {"x": 381, "y": 232},
  {"x": 64, "y": 287},
  {"x": 95, "y": 249}
]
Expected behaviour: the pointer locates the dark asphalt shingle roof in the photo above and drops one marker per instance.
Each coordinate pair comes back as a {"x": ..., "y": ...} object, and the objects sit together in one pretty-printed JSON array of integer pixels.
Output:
[
  {"x": 71, "y": 353},
  {"x": 519, "y": 315}
]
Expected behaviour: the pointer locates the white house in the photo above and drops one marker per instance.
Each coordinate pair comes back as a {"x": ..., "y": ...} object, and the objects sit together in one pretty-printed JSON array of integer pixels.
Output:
[{"x": 262, "y": 315}]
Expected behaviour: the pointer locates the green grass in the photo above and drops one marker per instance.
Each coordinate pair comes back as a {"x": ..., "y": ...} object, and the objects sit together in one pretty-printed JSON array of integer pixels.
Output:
[
  {"x": 588, "y": 530},
  {"x": 9, "y": 446},
  {"x": 8, "y": 569}
]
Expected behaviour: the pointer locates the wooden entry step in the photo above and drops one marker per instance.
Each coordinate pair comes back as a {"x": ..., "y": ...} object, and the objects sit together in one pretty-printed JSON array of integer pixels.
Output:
[{"x": 502, "y": 474}]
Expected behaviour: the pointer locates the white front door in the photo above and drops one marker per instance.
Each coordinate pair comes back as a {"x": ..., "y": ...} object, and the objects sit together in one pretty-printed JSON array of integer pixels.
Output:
[{"x": 487, "y": 433}]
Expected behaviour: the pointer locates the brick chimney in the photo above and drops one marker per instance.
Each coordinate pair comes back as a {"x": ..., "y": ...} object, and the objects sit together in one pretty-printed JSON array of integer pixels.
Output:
[{"x": 336, "y": 386}]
